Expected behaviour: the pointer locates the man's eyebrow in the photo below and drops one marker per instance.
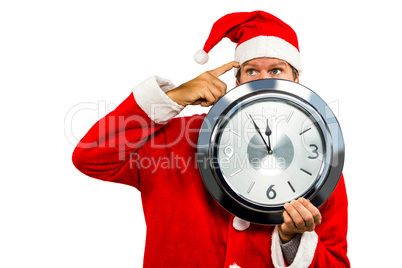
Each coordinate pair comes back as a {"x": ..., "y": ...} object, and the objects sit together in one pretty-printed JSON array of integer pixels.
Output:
[{"x": 248, "y": 64}]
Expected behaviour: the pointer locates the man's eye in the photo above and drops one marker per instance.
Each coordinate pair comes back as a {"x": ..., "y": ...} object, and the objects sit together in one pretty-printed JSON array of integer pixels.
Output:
[
  {"x": 251, "y": 72},
  {"x": 276, "y": 71}
]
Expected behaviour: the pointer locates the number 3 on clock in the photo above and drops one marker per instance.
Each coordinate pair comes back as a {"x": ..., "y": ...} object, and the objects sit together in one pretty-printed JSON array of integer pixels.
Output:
[{"x": 316, "y": 154}]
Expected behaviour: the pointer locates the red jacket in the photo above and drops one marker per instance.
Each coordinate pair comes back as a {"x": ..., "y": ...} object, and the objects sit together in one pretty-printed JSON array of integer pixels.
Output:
[{"x": 186, "y": 227}]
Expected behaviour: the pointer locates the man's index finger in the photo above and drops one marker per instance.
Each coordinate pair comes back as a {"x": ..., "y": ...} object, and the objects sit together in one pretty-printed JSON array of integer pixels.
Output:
[{"x": 224, "y": 68}]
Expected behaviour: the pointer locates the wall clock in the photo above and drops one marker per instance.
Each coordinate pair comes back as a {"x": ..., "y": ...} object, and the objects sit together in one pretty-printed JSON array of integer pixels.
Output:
[{"x": 267, "y": 142}]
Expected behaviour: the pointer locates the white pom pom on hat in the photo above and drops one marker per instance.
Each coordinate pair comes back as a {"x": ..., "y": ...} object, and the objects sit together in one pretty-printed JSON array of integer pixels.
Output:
[
  {"x": 257, "y": 34},
  {"x": 201, "y": 57}
]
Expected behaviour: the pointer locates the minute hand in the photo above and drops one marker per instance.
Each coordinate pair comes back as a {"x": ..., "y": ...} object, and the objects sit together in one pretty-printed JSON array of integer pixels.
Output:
[{"x": 259, "y": 132}]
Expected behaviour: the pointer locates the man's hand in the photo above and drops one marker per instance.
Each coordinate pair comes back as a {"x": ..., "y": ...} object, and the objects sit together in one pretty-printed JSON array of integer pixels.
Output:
[
  {"x": 299, "y": 216},
  {"x": 205, "y": 89}
]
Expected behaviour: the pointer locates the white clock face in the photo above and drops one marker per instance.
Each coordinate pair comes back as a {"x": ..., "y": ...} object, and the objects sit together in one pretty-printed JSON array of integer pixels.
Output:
[{"x": 270, "y": 151}]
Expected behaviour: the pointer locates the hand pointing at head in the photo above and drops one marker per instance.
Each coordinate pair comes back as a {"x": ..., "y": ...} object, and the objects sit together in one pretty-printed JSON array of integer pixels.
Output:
[{"x": 205, "y": 89}]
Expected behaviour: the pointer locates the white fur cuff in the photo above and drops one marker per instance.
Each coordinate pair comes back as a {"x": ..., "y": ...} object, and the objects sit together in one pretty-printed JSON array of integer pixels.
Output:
[
  {"x": 304, "y": 255},
  {"x": 150, "y": 96}
]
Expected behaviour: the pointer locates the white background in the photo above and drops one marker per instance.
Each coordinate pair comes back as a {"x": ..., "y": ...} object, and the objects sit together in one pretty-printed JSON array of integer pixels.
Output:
[{"x": 64, "y": 64}]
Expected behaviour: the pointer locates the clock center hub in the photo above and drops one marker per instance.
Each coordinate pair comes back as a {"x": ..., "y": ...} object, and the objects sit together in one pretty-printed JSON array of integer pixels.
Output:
[{"x": 276, "y": 162}]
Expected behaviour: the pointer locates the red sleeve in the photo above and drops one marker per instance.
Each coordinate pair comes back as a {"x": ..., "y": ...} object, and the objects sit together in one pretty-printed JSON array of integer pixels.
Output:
[
  {"x": 331, "y": 250},
  {"x": 108, "y": 150}
]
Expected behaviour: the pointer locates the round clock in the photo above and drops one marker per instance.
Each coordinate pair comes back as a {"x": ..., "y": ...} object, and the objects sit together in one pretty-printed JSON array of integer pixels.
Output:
[{"x": 267, "y": 142}]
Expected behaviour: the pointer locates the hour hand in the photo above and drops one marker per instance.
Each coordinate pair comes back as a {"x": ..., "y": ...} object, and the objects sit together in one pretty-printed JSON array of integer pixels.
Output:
[
  {"x": 268, "y": 132},
  {"x": 259, "y": 132}
]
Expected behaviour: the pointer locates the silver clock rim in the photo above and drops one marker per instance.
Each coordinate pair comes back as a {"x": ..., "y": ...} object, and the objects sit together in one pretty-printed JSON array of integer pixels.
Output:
[{"x": 260, "y": 89}]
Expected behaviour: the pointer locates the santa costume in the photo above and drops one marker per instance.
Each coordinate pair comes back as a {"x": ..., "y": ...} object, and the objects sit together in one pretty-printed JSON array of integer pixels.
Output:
[{"x": 142, "y": 144}]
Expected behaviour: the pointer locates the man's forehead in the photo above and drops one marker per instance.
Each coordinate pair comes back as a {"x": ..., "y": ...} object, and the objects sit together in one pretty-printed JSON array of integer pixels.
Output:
[{"x": 264, "y": 62}]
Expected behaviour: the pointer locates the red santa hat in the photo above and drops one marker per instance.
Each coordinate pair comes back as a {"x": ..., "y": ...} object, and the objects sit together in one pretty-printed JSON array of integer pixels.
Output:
[{"x": 257, "y": 34}]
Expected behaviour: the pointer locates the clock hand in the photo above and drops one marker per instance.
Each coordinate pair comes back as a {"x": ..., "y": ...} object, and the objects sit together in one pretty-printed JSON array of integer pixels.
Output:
[
  {"x": 259, "y": 132},
  {"x": 268, "y": 132}
]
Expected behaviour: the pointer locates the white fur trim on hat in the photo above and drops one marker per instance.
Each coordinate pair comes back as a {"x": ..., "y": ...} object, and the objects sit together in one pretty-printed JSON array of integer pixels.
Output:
[
  {"x": 234, "y": 265},
  {"x": 304, "y": 255},
  {"x": 268, "y": 46}
]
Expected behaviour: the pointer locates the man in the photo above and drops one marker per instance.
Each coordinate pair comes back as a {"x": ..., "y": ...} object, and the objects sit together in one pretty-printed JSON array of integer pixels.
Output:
[{"x": 141, "y": 144}]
